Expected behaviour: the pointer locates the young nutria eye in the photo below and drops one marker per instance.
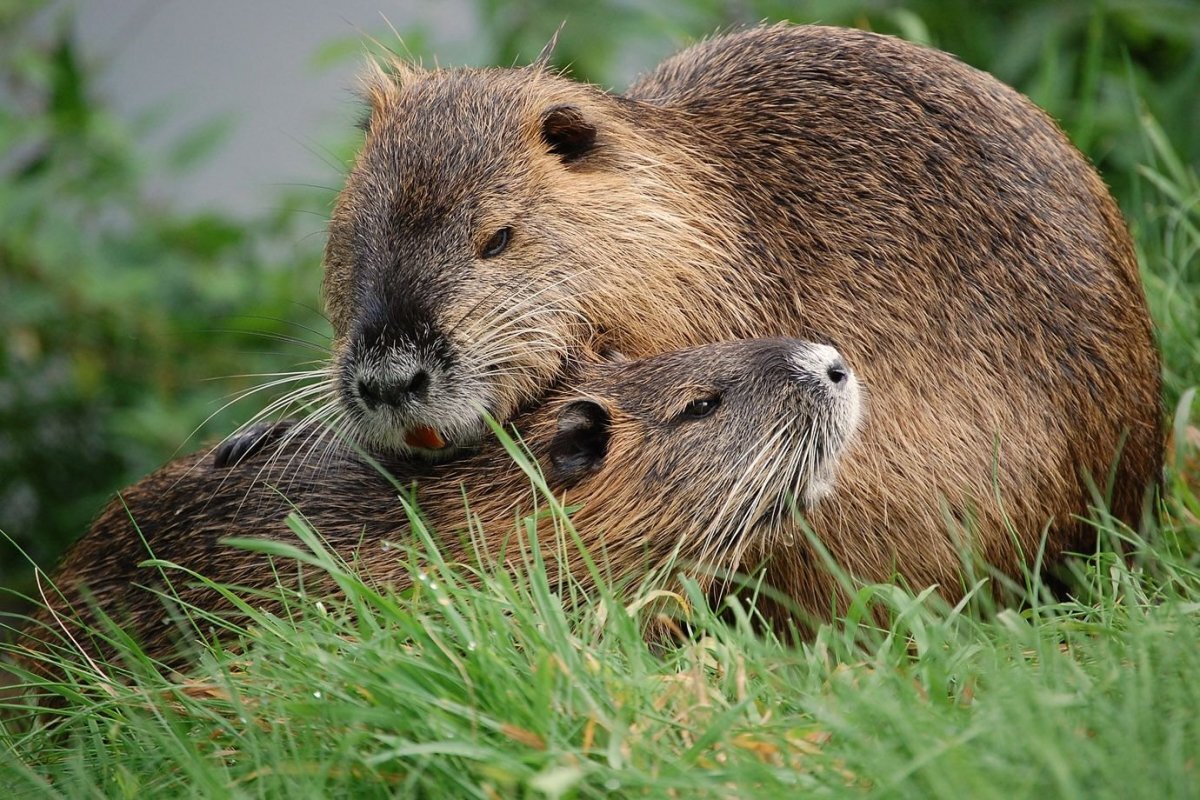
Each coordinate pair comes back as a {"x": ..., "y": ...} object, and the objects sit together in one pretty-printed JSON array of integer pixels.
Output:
[
  {"x": 496, "y": 245},
  {"x": 701, "y": 407}
]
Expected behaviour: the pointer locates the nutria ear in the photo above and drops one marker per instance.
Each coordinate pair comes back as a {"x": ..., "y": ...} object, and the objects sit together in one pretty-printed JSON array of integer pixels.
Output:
[
  {"x": 244, "y": 443},
  {"x": 568, "y": 135},
  {"x": 581, "y": 441}
]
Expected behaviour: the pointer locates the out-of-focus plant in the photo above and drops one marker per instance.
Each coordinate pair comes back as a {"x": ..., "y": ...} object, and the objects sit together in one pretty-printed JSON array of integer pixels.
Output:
[{"x": 116, "y": 312}]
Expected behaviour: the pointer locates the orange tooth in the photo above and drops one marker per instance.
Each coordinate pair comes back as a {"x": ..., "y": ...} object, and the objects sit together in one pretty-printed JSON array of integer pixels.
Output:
[{"x": 426, "y": 437}]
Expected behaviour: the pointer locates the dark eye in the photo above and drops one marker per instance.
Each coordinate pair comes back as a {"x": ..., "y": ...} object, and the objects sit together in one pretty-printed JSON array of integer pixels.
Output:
[
  {"x": 496, "y": 245},
  {"x": 700, "y": 408}
]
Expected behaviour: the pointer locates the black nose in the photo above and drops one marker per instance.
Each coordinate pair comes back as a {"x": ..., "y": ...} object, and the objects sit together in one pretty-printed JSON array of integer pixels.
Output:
[
  {"x": 395, "y": 391},
  {"x": 837, "y": 372}
]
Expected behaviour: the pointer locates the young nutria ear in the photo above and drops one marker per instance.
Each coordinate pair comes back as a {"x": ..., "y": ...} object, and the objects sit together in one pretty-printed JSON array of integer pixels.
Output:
[
  {"x": 568, "y": 135},
  {"x": 242, "y": 444},
  {"x": 581, "y": 442}
]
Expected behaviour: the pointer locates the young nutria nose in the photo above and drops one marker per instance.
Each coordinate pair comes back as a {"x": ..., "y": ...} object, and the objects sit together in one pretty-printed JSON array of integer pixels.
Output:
[
  {"x": 393, "y": 391},
  {"x": 820, "y": 362}
]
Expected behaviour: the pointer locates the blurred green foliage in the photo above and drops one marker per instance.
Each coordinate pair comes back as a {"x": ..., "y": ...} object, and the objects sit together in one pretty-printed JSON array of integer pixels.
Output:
[{"x": 116, "y": 310}]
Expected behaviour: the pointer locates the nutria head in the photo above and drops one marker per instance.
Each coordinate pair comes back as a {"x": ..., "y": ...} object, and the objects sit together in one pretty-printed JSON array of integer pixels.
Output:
[
  {"x": 701, "y": 452},
  {"x": 752, "y": 423},
  {"x": 463, "y": 255}
]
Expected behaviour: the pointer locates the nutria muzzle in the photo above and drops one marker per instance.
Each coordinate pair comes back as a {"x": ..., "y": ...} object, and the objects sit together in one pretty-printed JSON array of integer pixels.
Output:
[{"x": 400, "y": 385}]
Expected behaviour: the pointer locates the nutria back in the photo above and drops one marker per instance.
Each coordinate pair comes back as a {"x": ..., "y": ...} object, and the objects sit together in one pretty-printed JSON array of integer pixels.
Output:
[
  {"x": 947, "y": 235},
  {"x": 690, "y": 459},
  {"x": 778, "y": 181}
]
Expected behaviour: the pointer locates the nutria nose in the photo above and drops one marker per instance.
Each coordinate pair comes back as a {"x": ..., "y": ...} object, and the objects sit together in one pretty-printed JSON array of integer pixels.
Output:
[
  {"x": 394, "y": 392},
  {"x": 822, "y": 364}
]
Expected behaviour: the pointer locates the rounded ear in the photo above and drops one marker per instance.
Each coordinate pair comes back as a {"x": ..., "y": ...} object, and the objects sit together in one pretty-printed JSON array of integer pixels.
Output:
[
  {"x": 581, "y": 441},
  {"x": 568, "y": 135}
]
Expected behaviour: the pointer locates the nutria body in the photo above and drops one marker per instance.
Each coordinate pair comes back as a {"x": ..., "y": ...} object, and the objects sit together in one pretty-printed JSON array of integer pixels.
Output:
[
  {"x": 695, "y": 456},
  {"x": 779, "y": 181}
]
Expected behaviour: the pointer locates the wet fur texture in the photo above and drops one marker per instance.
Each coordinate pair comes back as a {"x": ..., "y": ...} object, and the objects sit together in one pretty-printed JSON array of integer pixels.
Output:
[{"x": 801, "y": 181}]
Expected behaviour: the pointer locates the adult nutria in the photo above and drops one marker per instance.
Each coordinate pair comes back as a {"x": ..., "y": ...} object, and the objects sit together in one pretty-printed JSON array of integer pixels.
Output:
[
  {"x": 782, "y": 180},
  {"x": 696, "y": 455}
]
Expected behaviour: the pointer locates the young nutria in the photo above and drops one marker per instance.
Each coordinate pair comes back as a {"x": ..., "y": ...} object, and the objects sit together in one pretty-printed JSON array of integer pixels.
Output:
[
  {"x": 777, "y": 181},
  {"x": 694, "y": 455}
]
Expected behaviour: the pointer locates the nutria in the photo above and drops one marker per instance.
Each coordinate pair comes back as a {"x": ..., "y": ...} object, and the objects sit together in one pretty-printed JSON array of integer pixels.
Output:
[
  {"x": 694, "y": 455},
  {"x": 782, "y": 180}
]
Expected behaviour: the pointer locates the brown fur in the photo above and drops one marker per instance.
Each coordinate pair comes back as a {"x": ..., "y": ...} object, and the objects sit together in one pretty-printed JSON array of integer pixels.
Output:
[
  {"x": 775, "y": 436},
  {"x": 778, "y": 181}
]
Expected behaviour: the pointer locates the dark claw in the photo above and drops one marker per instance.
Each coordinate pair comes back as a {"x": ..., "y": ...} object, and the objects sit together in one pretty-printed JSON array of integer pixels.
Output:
[{"x": 247, "y": 442}]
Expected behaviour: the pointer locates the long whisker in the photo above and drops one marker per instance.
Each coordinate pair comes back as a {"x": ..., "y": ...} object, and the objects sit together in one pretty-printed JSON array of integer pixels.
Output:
[
  {"x": 282, "y": 337},
  {"x": 293, "y": 378},
  {"x": 736, "y": 544},
  {"x": 763, "y": 451}
]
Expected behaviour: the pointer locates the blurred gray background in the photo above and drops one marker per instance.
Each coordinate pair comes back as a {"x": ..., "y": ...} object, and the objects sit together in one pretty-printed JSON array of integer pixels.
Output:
[{"x": 278, "y": 75}]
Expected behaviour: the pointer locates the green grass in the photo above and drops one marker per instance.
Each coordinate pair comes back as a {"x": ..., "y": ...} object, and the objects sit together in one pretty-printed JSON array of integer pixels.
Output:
[{"x": 493, "y": 689}]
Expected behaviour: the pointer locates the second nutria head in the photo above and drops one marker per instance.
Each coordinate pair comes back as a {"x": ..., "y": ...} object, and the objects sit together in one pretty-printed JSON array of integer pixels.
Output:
[
  {"x": 733, "y": 432},
  {"x": 713, "y": 444}
]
